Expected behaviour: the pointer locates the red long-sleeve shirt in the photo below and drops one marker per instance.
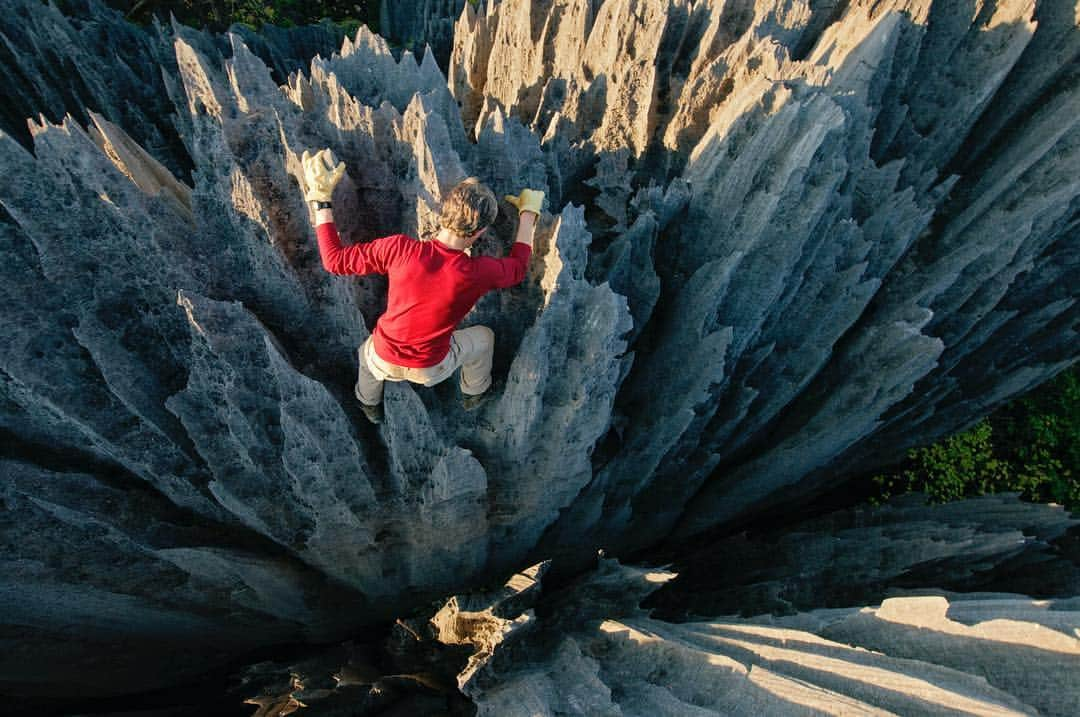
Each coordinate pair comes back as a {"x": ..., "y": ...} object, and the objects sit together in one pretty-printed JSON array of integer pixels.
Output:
[{"x": 432, "y": 287}]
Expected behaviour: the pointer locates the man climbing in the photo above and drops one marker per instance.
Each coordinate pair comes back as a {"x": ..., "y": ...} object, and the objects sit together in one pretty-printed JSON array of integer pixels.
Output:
[{"x": 433, "y": 285}]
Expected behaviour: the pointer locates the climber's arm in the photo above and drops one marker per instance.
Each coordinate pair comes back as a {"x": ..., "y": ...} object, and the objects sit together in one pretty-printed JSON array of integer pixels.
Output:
[
  {"x": 503, "y": 273},
  {"x": 528, "y": 206},
  {"x": 321, "y": 174},
  {"x": 516, "y": 265},
  {"x": 335, "y": 258},
  {"x": 526, "y": 229},
  {"x": 373, "y": 257}
]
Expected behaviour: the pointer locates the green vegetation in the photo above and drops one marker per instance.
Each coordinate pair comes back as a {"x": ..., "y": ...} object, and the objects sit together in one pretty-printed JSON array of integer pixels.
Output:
[
  {"x": 1032, "y": 445},
  {"x": 219, "y": 14}
]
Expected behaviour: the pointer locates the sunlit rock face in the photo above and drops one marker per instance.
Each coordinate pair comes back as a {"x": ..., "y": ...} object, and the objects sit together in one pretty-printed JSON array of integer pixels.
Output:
[
  {"x": 784, "y": 242},
  {"x": 985, "y": 654},
  {"x": 588, "y": 648},
  {"x": 880, "y": 222}
]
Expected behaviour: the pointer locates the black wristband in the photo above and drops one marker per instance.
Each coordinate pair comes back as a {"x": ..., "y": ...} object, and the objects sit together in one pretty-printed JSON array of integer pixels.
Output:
[{"x": 323, "y": 205}]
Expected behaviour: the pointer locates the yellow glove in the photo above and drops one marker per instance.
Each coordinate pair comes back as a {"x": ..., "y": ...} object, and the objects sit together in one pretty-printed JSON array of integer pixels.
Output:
[
  {"x": 529, "y": 200},
  {"x": 321, "y": 175}
]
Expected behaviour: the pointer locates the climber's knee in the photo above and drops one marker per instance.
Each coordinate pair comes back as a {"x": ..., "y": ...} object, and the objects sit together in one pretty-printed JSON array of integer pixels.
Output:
[
  {"x": 477, "y": 345},
  {"x": 369, "y": 386},
  {"x": 485, "y": 338}
]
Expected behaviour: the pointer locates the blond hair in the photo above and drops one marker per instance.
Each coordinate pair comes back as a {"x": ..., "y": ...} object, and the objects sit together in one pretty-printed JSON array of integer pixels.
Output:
[{"x": 469, "y": 207}]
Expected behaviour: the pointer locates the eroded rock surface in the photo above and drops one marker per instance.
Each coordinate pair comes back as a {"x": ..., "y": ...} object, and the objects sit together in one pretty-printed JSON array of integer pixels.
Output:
[
  {"x": 784, "y": 242},
  {"x": 587, "y": 648},
  {"x": 864, "y": 555},
  {"x": 892, "y": 644},
  {"x": 846, "y": 276},
  {"x": 419, "y": 24}
]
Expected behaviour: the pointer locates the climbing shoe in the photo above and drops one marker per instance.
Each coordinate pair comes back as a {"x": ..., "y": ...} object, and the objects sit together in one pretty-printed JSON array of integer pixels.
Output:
[
  {"x": 471, "y": 403},
  {"x": 373, "y": 413}
]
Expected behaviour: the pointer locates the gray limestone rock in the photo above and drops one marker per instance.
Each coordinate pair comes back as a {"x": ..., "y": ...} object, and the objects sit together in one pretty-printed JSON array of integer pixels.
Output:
[
  {"x": 783, "y": 242},
  {"x": 595, "y": 652},
  {"x": 416, "y": 24},
  {"x": 100, "y": 572},
  {"x": 864, "y": 555},
  {"x": 588, "y": 647},
  {"x": 840, "y": 182}
]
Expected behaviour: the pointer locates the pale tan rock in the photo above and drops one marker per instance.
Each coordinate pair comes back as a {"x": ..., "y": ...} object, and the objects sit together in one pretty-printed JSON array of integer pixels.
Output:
[
  {"x": 146, "y": 172},
  {"x": 903, "y": 657}
]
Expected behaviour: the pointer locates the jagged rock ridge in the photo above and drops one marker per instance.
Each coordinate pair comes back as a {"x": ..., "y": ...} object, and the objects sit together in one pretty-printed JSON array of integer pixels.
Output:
[
  {"x": 419, "y": 26},
  {"x": 587, "y": 648},
  {"x": 784, "y": 243},
  {"x": 974, "y": 654},
  {"x": 858, "y": 261}
]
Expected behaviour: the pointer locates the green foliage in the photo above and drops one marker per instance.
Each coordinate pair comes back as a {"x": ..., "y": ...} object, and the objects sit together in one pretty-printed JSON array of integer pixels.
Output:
[
  {"x": 220, "y": 14},
  {"x": 954, "y": 468},
  {"x": 350, "y": 26},
  {"x": 1043, "y": 436},
  {"x": 1031, "y": 446}
]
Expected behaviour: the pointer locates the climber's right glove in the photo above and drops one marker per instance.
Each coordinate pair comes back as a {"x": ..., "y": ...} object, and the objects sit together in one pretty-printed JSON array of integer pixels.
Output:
[
  {"x": 529, "y": 200},
  {"x": 321, "y": 175}
]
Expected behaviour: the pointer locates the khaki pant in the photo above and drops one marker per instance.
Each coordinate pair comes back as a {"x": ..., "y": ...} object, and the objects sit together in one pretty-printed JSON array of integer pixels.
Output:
[{"x": 471, "y": 349}]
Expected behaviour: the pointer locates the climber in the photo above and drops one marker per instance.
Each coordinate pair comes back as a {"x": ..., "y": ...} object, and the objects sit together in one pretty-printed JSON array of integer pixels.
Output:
[{"x": 434, "y": 283}]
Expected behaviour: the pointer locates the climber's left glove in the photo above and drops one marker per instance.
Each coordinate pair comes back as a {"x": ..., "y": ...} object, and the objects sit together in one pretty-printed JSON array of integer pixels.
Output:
[
  {"x": 528, "y": 201},
  {"x": 321, "y": 175}
]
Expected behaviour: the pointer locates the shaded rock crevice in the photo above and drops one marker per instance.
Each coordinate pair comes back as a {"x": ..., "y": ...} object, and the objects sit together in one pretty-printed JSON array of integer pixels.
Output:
[{"x": 590, "y": 645}]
